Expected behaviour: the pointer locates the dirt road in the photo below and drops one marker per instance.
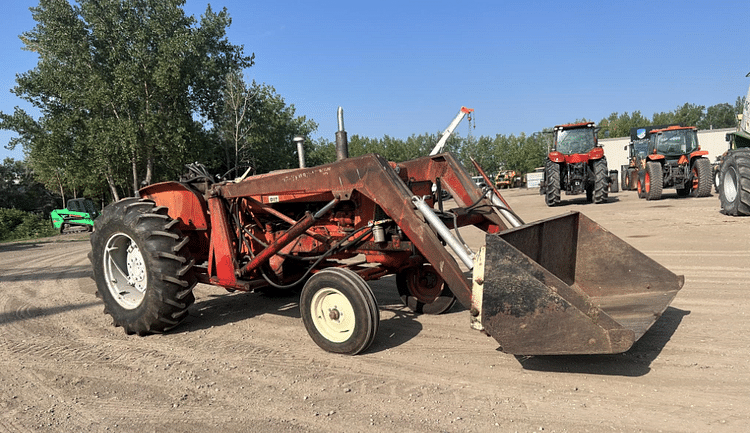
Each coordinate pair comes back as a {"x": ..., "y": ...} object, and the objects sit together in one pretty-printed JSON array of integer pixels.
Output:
[{"x": 244, "y": 363}]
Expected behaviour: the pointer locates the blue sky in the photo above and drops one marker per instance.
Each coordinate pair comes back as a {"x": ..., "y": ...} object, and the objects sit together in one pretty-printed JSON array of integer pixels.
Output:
[{"x": 400, "y": 68}]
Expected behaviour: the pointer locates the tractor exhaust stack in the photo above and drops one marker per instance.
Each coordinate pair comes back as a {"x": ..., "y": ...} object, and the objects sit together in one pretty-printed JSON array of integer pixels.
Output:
[{"x": 342, "y": 144}]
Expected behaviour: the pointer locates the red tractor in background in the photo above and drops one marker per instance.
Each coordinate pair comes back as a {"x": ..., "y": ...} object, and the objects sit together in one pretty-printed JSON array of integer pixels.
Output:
[
  {"x": 575, "y": 164},
  {"x": 674, "y": 160}
]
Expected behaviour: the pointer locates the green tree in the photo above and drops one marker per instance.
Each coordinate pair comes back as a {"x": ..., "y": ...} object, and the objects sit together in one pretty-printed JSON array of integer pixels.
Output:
[
  {"x": 739, "y": 106},
  {"x": 686, "y": 115},
  {"x": 480, "y": 150},
  {"x": 123, "y": 86},
  {"x": 19, "y": 189},
  {"x": 689, "y": 114},
  {"x": 235, "y": 123},
  {"x": 320, "y": 151},
  {"x": 719, "y": 116},
  {"x": 260, "y": 127},
  {"x": 619, "y": 125},
  {"x": 396, "y": 149}
]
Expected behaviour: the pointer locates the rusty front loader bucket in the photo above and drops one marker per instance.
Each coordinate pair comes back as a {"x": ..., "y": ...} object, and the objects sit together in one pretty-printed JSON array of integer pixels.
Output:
[{"x": 565, "y": 285}]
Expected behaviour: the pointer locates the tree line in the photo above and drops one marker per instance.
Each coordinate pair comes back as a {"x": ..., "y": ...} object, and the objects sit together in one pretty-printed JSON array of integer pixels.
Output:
[
  {"x": 523, "y": 153},
  {"x": 129, "y": 91},
  {"x": 717, "y": 116}
]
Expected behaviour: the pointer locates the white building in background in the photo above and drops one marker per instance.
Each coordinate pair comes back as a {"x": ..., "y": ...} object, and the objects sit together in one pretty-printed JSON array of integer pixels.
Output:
[{"x": 712, "y": 140}]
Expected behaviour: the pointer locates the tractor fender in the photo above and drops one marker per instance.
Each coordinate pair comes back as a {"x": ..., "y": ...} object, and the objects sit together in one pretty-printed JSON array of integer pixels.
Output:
[
  {"x": 184, "y": 204},
  {"x": 556, "y": 156},
  {"x": 596, "y": 153}
]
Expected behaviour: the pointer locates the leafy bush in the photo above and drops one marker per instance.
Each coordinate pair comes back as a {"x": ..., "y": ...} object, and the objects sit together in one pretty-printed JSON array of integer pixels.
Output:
[{"x": 16, "y": 224}]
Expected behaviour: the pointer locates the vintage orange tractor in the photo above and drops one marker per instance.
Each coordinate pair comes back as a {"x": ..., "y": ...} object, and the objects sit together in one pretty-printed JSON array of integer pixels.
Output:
[{"x": 563, "y": 285}]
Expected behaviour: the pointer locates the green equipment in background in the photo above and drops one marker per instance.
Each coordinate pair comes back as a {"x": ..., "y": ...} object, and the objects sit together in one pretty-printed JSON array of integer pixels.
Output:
[{"x": 78, "y": 216}]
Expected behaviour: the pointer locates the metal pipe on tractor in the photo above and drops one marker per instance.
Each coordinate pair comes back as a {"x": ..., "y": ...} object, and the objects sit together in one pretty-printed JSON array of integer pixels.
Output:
[
  {"x": 342, "y": 144},
  {"x": 562, "y": 285},
  {"x": 300, "y": 142}
]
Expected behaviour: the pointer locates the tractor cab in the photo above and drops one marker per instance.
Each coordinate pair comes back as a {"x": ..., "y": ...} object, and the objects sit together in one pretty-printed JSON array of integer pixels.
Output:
[
  {"x": 639, "y": 149},
  {"x": 575, "y": 138},
  {"x": 83, "y": 205},
  {"x": 674, "y": 141}
]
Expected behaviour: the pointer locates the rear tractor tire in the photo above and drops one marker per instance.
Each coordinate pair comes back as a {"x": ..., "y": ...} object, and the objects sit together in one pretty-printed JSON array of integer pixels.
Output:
[
  {"x": 601, "y": 180},
  {"x": 734, "y": 191},
  {"x": 423, "y": 291},
  {"x": 339, "y": 311},
  {"x": 142, "y": 267},
  {"x": 552, "y": 183}
]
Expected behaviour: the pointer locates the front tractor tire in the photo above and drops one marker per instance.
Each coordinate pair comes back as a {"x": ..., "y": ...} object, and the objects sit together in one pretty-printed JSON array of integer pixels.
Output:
[
  {"x": 142, "y": 267},
  {"x": 701, "y": 186},
  {"x": 734, "y": 191},
  {"x": 654, "y": 181},
  {"x": 552, "y": 183},
  {"x": 339, "y": 311}
]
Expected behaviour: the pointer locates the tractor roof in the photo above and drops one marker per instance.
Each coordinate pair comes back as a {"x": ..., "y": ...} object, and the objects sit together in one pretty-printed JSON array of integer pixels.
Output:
[
  {"x": 673, "y": 128},
  {"x": 575, "y": 125}
]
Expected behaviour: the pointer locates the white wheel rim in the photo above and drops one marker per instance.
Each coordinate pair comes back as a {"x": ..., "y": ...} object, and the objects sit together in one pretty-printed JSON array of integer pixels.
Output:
[
  {"x": 125, "y": 271},
  {"x": 332, "y": 315},
  {"x": 729, "y": 184}
]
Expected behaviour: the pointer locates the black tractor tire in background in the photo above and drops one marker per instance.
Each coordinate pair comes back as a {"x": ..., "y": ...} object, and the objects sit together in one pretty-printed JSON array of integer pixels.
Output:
[
  {"x": 701, "y": 178},
  {"x": 614, "y": 183},
  {"x": 654, "y": 181},
  {"x": 717, "y": 177},
  {"x": 142, "y": 267},
  {"x": 552, "y": 183},
  {"x": 734, "y": 191},
  {"x": 632, "y": 179},
  {"x": 601, "y": 180}
]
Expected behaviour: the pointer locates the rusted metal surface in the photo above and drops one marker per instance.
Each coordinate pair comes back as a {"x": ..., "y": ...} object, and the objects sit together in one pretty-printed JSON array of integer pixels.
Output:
[
  {"x": 372, "y": 184},
  {"x": 565, "y": 285}
]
